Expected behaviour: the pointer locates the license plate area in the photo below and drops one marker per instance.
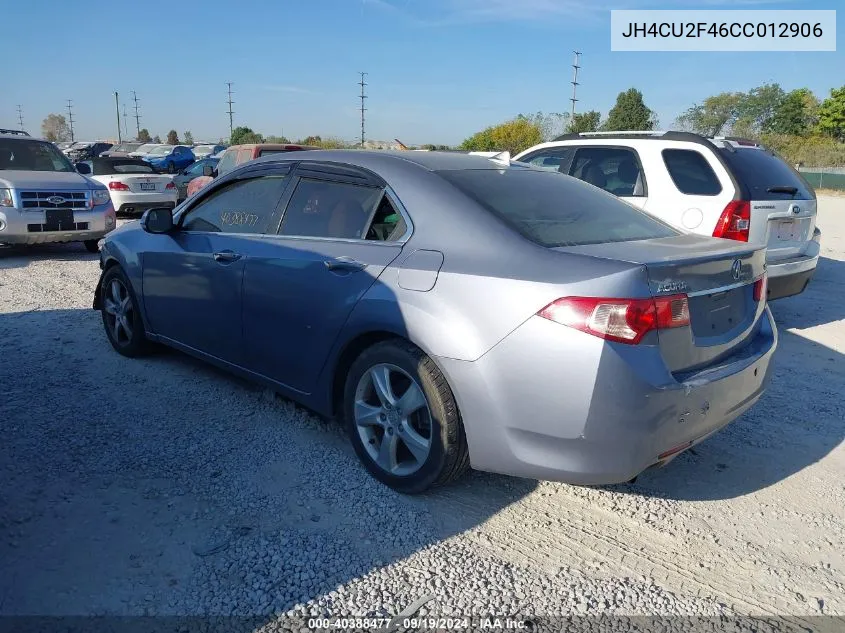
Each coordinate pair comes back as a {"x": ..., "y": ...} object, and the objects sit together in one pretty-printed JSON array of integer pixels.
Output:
[
  {"x": 148, "y": 186},
  {"x": 59, "y": 220},
  {"x": 787, "y": 229}
]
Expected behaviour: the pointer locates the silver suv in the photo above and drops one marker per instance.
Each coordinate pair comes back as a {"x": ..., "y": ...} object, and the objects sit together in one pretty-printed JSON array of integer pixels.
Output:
[{"x": 44, "y": 199}]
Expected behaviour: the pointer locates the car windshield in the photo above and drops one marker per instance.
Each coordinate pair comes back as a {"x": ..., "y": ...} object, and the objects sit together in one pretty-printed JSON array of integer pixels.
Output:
[
  {"x": 163, "y": 150},
  {"x": 121, "y": 166},
  {"x": 554, "y": 210},
  {"x": 31, "y": 155},
  {"x": 203, "y": 149},
  {"x": 143, "y": 149},
  {"x": 125, "y": 147}
]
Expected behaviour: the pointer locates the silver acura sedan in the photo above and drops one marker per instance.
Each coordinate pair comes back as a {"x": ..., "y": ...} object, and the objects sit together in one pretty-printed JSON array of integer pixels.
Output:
[{"x": 452, "y": 311}]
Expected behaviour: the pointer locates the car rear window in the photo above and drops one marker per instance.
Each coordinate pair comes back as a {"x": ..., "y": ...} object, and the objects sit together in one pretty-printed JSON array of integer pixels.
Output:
[
  {"x": 125, "y": 166},
  {"x": 691, "y": 172},
  {"x": 766, "y": 176},
  {"x": 553, "y": 210}
]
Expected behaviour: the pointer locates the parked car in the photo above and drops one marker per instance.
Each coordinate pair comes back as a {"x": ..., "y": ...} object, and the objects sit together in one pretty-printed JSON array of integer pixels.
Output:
[
  {"x": 204, "y": 151},
  {"x": 499, "y": 316},
  {"x": 185, "y": 176},
  {"x": 170, "y": 158},
  {"x": 121, "y": 150},
  {"x": 238, "y": 155},
  {"x": 44, "y": 199},
  {"x": 86, "y": 150},
  {"x": 144, "y": 150},
  {"x": 724, "y": 187},
  {"x": 132, "y": 182},
  {"x": 64, "y": 145},
  {"x": 10, "y": 132}
]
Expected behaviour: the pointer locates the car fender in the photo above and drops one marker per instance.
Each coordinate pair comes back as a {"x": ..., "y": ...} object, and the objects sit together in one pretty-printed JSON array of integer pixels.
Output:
[{"x": 123, "y": 249}]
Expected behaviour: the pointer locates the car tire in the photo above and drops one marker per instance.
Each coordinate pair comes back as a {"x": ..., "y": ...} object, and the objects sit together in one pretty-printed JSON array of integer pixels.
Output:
[
  {"x": 171, "y": 168},
  {"x": 372, "y": 419},
  {"x": 118, "y": 299},
  {"x": 92, "y": 246}
]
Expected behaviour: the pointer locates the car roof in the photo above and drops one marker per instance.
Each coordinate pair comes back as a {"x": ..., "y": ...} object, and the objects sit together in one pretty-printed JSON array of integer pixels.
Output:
[
  {"x": 431, "y": 161},
  {"x": 290, "y": 146}
]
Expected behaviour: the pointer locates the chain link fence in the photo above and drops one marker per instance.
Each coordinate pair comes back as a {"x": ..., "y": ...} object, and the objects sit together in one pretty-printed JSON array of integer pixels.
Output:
[{"x": 824, "y": 177}]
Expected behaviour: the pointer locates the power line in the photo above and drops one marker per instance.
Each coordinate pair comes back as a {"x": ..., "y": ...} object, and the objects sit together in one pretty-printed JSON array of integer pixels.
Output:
[
  {"x": 231, "y": 112},
  {"x": 575, "y": 68},
  {"x": 70, "y": 118},
  {"x": 363, "y": 109},
  {"x": 20, "y": 115},
  {"x": 137, "y": 116}
]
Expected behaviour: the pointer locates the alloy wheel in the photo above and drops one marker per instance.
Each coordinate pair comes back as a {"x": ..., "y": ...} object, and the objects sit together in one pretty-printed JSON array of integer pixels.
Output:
[{"x": 119, "y": 312}]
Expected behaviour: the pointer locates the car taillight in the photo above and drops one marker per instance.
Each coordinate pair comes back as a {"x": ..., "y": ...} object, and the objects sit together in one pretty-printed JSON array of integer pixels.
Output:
[
  {"x": 116, "y": 185},
  {"x": 620, "y": 320},
  {"x": 760, "y": 287},
  {"x": 170, "y": 185},
  {"x": 735, "y": 221}
]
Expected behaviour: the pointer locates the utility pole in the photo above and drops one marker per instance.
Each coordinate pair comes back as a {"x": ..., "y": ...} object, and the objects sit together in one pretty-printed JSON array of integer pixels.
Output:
[
  {"x": 125, "y": 131},
  {"x": 363, "y": 109},
  {"x": 70, "y": 118},
  {"x": 137, "y": 116},
  {"x": 230, "y": 111},
  {"x": 117, "y": 111},
  {"x": 575, "y": 68},
  {"x": 20, "y": 115}
]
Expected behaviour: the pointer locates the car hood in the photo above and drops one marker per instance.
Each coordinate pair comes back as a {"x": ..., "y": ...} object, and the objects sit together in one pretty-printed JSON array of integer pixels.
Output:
[{"x": 70, "y": 180}]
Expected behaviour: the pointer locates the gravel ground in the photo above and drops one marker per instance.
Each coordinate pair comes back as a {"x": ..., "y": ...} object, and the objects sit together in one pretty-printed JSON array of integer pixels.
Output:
[{"x": 165, "y": 487}]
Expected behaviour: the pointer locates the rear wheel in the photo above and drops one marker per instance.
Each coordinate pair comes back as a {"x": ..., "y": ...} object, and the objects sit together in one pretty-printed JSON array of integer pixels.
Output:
[
  {"x": 92, "y": 246},
  {"x": 121, "y": 318},
  {"x": 402, "y": 418}
]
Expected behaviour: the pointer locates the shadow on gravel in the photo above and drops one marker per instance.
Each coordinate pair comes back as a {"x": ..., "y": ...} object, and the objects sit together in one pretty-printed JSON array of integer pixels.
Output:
[
  {"x": 14, "y": 256},
  {"x": 796, "y": 423}
]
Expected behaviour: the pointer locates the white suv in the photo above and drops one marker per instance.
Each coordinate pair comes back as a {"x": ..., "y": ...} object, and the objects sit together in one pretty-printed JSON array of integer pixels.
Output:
[{"x": 724, "y": 187}]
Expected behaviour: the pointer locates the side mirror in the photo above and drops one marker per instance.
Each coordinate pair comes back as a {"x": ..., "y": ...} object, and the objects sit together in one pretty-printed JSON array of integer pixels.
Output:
[
  {"x": 158, "y": 220},
  {"x": 208, "y": 170},
  {"x": 83, "y": 168}
]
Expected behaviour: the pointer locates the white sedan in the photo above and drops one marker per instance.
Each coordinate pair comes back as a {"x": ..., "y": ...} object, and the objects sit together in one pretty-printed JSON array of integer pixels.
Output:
[{"x": 133, "y": 184}]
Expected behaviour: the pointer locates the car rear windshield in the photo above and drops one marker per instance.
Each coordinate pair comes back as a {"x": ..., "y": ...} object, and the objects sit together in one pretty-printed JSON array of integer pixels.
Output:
[
  {"x": 127, "y": 166},
  {"x": 555, "y": 210},
  {"x": 766, "y": 176}
]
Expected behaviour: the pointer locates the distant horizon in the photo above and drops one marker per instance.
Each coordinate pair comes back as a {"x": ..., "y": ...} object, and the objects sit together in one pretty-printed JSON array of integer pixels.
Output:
[{"x": 438, "y": 70}]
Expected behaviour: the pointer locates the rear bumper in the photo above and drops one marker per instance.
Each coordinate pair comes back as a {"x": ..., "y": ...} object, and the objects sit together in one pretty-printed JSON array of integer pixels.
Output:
[
  {"x": 788, "y": 277},
  {"x": 556, "y": 404},
  {"x": 130, "y": 208}
]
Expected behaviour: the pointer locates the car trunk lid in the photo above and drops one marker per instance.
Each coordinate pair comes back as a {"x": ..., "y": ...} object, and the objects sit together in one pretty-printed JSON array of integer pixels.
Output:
[
  {"x": 142, "y": 183},
  {"x": 717, "y": 276}
]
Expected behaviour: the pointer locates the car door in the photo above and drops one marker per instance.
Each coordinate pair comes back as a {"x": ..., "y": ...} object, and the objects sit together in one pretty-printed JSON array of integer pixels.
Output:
[
  {"x": 617, "y": 170},
  {"x": 300, "y": 289},
  {"x": 192, "y": 279}
]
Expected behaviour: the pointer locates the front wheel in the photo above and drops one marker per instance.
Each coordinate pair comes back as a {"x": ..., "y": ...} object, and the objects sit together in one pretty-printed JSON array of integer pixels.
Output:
[
  {"x": 402, "y": 418},
  {"x": 121, "y": 317}
]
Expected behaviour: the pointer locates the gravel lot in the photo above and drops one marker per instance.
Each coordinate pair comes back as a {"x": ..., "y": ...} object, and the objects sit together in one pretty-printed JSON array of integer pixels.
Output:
[{"x": 163, "y": 486}]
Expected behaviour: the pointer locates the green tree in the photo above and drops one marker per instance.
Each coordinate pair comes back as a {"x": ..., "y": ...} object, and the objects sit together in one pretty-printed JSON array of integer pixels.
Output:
[
  {"x": 832, "y": 114},
  {"x": 714, "y": 116},
  {"x": 156, "y": 139},
  {"x": 757, "y": 109},
  {"x": 551, "y": 125},
  {"x": 514, "y": 136},
  {"x": 188, "y": 137},
  {"x": 55, "y": 128},
  {"x": 630, "y": 113},
  {"x": 242, "y": 134},
  {"x": 311, "y": 140},
  {"x": 277, "y": 139},
  {"x": 795, "y": 115},
  {"x": 584, "y": 122},
  {"x": 144, "y": 136},
  {"x": 172, "y": 138}
]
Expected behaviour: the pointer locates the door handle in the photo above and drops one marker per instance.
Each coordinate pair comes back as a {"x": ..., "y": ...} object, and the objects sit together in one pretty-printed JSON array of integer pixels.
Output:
[
  {"x": 344, "y": 264},
  {"x": 226, "y": 257}
]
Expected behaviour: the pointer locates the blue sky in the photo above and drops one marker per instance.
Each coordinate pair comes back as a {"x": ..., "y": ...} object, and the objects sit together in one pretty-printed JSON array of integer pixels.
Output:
[{"x": 439, "y": 70}]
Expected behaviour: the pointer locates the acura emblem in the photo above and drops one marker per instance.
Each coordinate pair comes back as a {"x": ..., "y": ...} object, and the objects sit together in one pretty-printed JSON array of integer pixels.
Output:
[
  {"x": 736, "y": 269},
  {"x": 796, "y": 209},
  {"x": 55, "y": 200}
]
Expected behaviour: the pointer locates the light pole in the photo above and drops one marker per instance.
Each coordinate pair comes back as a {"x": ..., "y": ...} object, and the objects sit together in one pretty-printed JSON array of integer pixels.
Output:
[{"x": 117, "y": 110}]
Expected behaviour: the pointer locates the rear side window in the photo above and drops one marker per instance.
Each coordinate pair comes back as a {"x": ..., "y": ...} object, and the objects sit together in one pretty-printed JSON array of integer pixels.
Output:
[
  {"x": 552, "y": 159},
  {"x": 691, "y": 172},
  {"x": 554, "y": 210},
  {"x": 766, "y": 176},
  {"x": 614, "y": 169},
  {"x": 330, "y": 209}
]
